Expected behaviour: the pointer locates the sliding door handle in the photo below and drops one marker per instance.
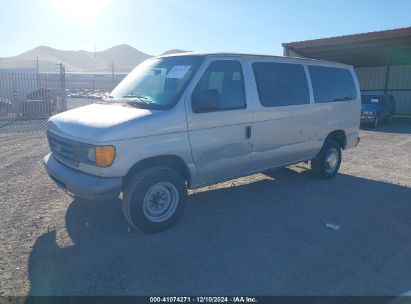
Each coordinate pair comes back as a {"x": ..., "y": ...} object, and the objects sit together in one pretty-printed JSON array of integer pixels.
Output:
[{"x": 248, "y": 132}]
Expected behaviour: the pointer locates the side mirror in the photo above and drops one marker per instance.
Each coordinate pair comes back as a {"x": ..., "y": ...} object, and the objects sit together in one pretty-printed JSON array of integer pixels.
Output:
[{"x": 206, "y": 101}]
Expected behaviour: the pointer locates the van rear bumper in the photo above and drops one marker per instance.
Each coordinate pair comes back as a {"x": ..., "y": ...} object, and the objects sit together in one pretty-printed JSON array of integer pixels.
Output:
[{"x": 83, "y": 185}]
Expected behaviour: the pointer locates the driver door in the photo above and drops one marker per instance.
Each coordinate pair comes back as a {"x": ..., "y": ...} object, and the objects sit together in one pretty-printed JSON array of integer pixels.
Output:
[{"x": 219, "y": 122}]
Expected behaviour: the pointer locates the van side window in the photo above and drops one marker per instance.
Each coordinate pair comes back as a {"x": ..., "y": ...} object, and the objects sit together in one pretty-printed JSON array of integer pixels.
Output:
[
  {"x": 332, "y": 84},
  {"x": 281, "y": 84},
  {"x": 221, "y": 88}
]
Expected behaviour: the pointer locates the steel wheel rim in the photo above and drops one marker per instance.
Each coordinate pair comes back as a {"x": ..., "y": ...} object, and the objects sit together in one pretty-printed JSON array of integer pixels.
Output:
[
  {"x": 160, "y": 202},
  {"x": 331, "y": 160}
]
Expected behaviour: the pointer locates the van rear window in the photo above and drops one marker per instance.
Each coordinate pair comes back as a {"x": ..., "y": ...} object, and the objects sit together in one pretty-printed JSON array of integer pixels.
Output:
[
  {"x": 332, "y": 84},
  {"x": 281, "y": 84}
]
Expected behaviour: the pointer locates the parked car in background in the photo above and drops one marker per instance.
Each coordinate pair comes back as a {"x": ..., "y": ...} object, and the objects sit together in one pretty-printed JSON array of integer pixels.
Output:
[
  {"x": 187, "y": 121},
  {"x": 376, "y": 107}
]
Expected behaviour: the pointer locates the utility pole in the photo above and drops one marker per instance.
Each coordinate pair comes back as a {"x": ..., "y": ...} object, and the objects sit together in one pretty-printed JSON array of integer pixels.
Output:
[
  {"x": 37, "y": 72},
  {"x": 94, "y": 69},
  {"x": 63, "y": 106}
]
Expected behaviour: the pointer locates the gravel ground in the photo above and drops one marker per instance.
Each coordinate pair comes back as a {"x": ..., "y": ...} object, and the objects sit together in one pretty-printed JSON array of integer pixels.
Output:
[{"x": 263, "y": 234}]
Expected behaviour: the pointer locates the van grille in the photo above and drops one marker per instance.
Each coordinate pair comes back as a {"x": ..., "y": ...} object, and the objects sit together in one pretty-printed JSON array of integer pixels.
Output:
[{"x": 63, "y": 149}]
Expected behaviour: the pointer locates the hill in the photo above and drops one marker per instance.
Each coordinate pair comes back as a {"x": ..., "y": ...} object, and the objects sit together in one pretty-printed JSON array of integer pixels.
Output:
[{"x": 124, "y": 57}]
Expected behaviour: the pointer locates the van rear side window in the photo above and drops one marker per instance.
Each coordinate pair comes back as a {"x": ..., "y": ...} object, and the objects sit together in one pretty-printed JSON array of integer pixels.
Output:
[
  {"x": 332, "y": 84},
  {"x": 281, "y": 84}
]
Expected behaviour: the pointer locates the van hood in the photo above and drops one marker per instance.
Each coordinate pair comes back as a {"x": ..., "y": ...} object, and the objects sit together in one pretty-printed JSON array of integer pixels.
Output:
[{"x": 95, "y": 122}]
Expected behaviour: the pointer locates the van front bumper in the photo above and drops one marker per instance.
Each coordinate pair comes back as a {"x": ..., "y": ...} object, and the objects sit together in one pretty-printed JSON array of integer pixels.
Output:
[{"x": 83, "y": 185}]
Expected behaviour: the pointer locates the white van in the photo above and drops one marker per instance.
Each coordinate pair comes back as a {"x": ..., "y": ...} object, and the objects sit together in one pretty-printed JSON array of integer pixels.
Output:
[{"x": 191, "y": 120}]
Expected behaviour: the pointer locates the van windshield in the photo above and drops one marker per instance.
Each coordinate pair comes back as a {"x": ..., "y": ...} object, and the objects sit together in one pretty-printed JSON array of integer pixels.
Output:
[{"x": 157, "y": 83}]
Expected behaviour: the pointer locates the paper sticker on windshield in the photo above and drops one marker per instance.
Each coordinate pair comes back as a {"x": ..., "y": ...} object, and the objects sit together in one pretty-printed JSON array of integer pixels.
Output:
[
  {"x": 374, "y": 99},
  {"x": 178, "y": 71}
]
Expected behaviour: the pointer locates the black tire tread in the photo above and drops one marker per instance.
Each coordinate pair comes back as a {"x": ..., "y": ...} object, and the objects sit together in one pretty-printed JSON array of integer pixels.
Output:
[
  {"x": 316, "y": 166},
  {"x": 129, "y": 190}
]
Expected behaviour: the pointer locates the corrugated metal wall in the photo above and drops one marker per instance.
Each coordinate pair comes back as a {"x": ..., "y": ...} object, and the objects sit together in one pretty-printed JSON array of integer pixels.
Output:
[
  {"x": 371, "y": 78},
  {"x": 399, "y": 83}
]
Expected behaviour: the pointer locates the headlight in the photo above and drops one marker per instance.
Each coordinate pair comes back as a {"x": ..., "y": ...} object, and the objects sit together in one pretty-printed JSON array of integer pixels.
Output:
[
  {"x": 101, "y": 156},
  {"x": 368, "y": 113},
  {"x": 91, "y": 154}
]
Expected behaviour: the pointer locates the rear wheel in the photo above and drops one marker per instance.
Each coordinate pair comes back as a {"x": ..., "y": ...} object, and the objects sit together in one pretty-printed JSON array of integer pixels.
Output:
[
  {"x": 327, "y": 162},
  {"x": 154, "y": 199}
]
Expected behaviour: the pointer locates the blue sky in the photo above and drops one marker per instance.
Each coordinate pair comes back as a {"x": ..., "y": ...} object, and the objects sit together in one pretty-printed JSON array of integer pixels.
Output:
[{"x": 216, "y": 25}]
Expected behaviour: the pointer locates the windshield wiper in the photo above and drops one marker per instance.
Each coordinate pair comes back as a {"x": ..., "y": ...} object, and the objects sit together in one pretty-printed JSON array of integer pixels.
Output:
[
  {"x": 139, "y": 101},
  {"x": 139, "y": 97},
  {"x": 136, "y": 100},
  {"x": 139, "y": 104}
]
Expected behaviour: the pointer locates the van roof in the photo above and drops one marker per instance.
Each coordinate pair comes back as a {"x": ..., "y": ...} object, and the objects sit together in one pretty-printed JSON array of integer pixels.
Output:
[{"x": 248, "y": 55}]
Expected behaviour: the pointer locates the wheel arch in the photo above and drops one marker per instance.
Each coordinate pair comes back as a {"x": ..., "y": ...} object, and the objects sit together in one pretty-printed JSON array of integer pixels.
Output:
[
  {"x": 169, "y": 161},
  {"x": 339, "y": 136}
]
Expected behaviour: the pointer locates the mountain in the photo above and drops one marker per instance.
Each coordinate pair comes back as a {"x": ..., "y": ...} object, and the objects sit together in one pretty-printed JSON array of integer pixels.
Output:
[{"x": 124, "y": 57}]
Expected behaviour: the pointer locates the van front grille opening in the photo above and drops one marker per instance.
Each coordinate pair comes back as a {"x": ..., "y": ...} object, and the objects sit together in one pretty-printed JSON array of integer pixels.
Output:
[{"x": 63, "y": 149}]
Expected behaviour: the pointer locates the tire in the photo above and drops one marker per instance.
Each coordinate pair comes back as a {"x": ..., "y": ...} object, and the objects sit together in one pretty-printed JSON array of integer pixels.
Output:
[
  {"x": 154, "y": 199},
  {"x": 324, "y": 165},
  {"x": 375, "y": 123}
]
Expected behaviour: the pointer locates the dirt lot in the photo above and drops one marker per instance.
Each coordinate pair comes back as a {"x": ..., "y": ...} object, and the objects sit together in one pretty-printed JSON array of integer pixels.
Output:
[{"x": 257, "y": 235}]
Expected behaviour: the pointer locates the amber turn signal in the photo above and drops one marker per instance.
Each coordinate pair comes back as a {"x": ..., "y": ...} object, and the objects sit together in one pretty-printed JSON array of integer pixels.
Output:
[{"x": 105, "y": 155}]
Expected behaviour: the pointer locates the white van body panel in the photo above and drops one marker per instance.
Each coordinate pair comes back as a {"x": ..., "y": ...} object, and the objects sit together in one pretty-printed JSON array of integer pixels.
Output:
[{"x": 213, "y": 146}]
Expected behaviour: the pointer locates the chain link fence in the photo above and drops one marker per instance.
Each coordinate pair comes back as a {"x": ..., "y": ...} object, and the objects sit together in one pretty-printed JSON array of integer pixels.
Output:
[{"x": 28, "y": 95}]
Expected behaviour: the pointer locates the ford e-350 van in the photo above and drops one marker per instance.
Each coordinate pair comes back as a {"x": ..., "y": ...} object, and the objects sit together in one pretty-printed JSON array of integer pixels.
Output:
[{"x": 190, "y": 120}]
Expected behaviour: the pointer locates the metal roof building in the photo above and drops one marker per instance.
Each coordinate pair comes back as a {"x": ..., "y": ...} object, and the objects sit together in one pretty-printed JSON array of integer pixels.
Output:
[{"x": 382, "y": 60}]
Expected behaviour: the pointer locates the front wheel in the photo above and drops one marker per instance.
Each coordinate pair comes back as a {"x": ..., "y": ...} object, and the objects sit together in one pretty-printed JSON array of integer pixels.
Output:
[
  {"x": 154, "y": 199},
  {"x": 327, "y": 162}
]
